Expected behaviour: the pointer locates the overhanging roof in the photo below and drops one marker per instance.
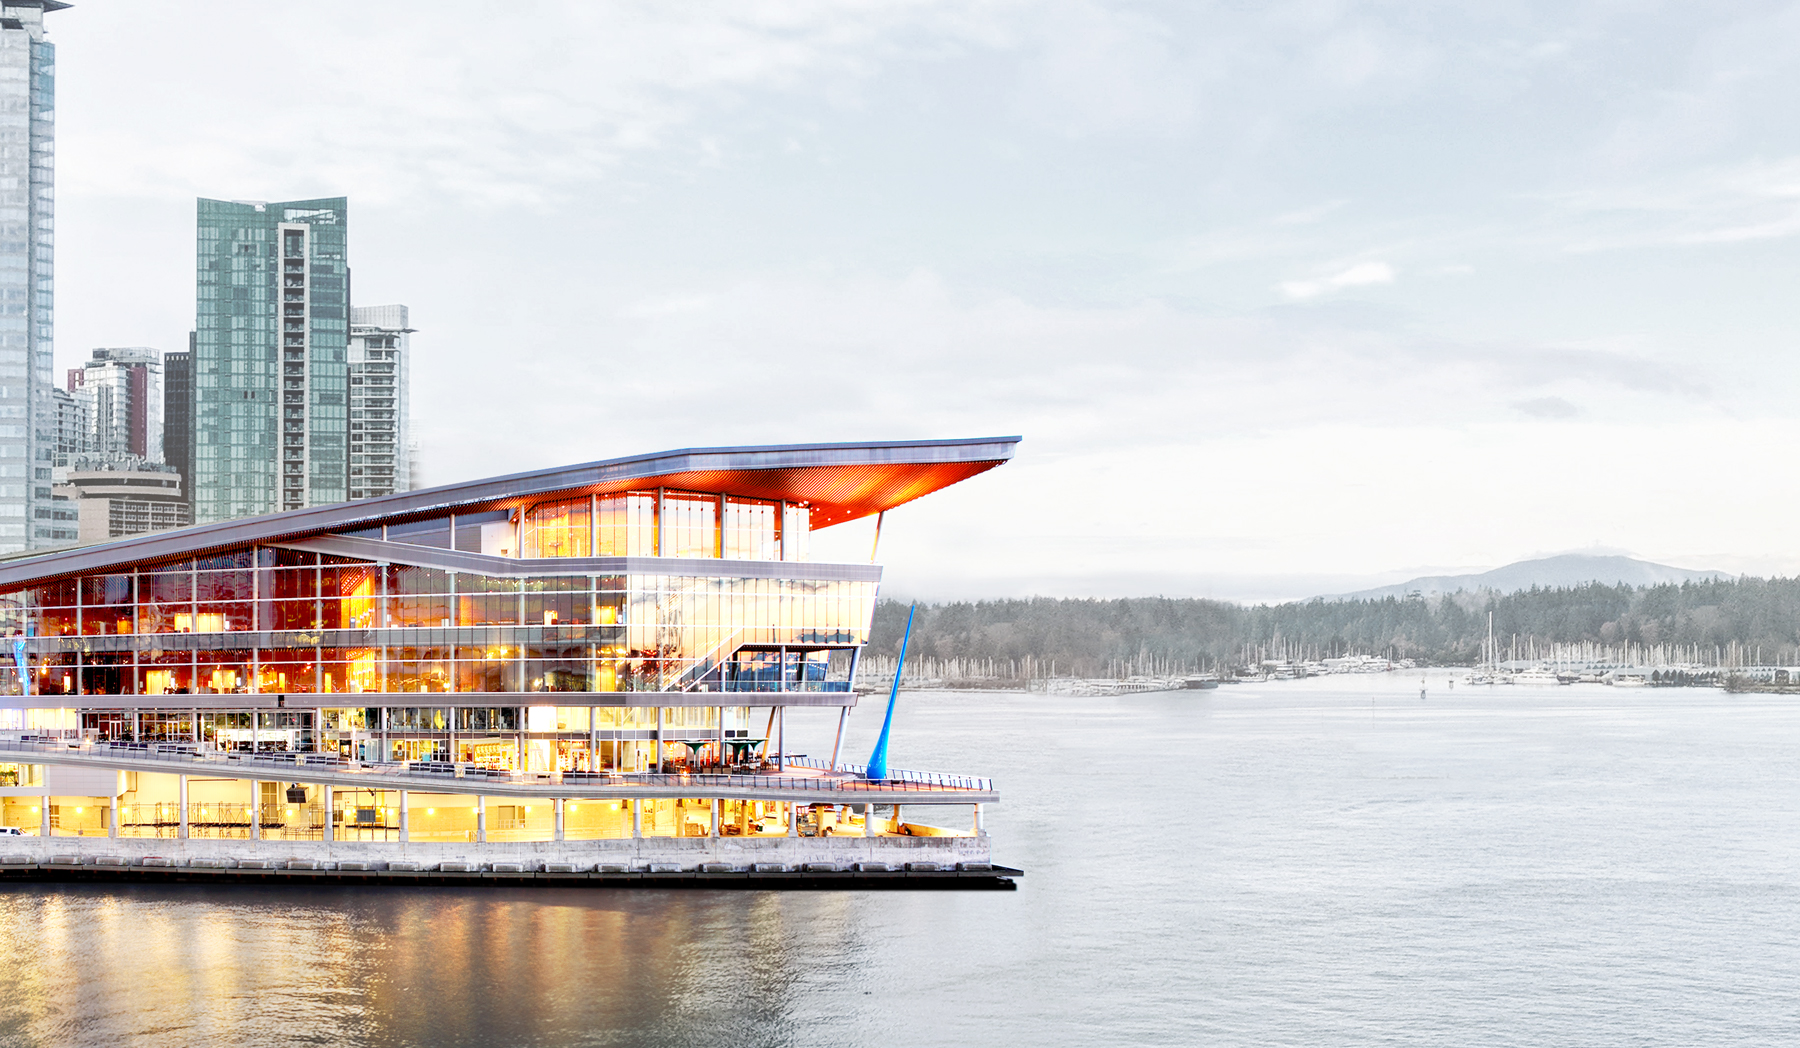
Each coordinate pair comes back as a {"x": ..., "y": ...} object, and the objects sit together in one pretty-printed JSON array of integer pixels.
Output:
[{"x": 840, "y": 482}]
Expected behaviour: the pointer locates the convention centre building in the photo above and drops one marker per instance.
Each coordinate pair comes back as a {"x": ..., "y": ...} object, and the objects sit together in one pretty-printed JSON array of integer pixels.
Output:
[{"x": 550, "y": 664}]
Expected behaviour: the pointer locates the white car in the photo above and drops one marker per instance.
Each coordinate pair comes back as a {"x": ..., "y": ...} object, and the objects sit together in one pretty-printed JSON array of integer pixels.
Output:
[{"x": 11, "y": 831}]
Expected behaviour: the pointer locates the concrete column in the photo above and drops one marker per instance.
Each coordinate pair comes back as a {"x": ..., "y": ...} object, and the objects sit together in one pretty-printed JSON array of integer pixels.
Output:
[
  {"x": 405, "y": 824},
  {"x": 112, "y": 819},
  {"x": 896, "y": 818},
  {"x": 837, "y": 741},
  {"x": 44, "y": 817},
  {"x": 325, "y": 799},
  {"x": 868, "y": 820},
  {"x": 980, "y": 830},
  {"x": 559, "y": 818},
  {"x": 715, "y": 818},
  {"x": 255, "y": 810},
  {"x": 637, "y": 819},
  {"x": 480, "y": 820},
  {"x": 793, "y": 819},
  {"x": 181, "y": 797}
]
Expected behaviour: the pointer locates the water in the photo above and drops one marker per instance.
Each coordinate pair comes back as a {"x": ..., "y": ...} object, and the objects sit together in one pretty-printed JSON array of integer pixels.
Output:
[{"x": 1312, "y": 862}]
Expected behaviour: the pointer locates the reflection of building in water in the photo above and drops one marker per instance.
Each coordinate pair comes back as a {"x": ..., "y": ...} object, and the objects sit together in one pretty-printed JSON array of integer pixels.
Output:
[{"x": 599, "y": 634}]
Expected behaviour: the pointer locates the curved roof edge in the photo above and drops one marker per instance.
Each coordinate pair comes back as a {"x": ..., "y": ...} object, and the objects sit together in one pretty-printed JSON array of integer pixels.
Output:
[{"x": 851, "y": 474}]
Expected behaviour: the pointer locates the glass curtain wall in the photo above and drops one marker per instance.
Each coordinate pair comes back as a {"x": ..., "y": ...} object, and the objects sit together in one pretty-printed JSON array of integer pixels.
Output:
[{"x": 295, "y": 623}]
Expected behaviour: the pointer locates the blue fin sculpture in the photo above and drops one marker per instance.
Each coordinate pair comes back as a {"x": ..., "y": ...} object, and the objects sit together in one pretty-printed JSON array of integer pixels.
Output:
[{"x": 878, "y": 768}]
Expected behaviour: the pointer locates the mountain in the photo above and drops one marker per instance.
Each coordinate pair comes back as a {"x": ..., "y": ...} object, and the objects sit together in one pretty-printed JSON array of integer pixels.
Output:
[{"x": 1569, "y": 569}]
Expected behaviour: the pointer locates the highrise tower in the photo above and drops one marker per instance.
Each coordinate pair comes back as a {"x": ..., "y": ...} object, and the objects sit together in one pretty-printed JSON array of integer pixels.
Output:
[
  {"x": 272, "y": 322},
  {"x": 28, "y": 412},
  {"x": 380, "y": 427},
  {"x": 178, "y": 412},
  {"x": 122, "y": 390}
]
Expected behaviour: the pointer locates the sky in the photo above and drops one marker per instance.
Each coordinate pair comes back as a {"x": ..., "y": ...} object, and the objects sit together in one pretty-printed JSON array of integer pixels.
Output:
[{"x": 1284, "y": 298}]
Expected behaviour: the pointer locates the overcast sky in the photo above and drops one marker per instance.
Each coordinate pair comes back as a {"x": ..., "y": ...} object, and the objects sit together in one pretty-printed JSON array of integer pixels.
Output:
[{"x": 1284, "y": 297}]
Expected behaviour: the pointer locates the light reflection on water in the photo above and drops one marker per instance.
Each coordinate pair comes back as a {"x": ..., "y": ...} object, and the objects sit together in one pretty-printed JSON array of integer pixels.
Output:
[{"x": 1301, "y": 862}]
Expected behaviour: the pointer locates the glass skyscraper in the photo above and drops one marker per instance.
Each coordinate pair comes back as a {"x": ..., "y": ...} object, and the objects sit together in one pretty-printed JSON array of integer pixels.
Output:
[
  {"x": 270, "y": 381},
  {"x": 28, "y": 415}
]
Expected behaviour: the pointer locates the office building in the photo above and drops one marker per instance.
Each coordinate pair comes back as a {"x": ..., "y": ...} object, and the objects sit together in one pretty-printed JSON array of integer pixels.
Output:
[
  {"x": 560, "y": 666},
  {"x": 119, "y": 496},
  {"x": 74, "y": 426},
  {"x": 28, "y": 408},
  {"x": 272, "y": 325},
  {"x": 122, "y": 392},
  {"x": 380, "y": 438},
  {"x": 178, "y": 413}
]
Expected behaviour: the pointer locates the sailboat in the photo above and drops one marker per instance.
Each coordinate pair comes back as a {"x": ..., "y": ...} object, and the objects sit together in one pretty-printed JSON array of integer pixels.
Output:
[{"x": 1484, "y": 674}]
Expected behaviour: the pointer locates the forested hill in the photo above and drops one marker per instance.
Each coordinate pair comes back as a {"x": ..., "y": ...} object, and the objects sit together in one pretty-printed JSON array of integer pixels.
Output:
[{"x": 1086, "y": 637}]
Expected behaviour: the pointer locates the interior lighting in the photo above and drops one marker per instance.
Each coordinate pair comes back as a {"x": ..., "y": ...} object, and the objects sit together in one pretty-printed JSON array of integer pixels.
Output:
[{"x": 431, "y": 811}]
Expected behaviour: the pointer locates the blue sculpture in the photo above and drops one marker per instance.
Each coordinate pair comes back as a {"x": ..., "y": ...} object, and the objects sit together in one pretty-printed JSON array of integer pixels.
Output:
[{"x": 878, "y": 768}]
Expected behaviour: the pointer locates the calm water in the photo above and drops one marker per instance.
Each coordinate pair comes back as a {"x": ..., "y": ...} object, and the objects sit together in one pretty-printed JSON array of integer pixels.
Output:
[{"x": 1319, "y": 862}]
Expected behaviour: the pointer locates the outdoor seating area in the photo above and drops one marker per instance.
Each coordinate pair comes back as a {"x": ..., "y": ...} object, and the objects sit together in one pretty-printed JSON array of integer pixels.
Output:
[{"x": 742, "y": 756}]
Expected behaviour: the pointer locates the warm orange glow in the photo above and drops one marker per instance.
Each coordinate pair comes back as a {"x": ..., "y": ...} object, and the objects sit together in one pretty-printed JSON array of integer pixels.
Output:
[{"x": 835, "y": 494}]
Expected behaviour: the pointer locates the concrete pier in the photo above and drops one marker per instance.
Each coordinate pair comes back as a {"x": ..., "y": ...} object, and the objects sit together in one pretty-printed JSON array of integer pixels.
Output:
[{"x": 713, "y": 862}]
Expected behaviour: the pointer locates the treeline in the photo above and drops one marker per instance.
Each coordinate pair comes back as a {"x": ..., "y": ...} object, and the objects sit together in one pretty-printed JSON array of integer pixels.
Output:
[{"x": 1728, "y": 621}]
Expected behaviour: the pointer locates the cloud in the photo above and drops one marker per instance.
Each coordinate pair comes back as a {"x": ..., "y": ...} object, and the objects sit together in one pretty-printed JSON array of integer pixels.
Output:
[
  {"x": 1547, "y": 407},
  {"x": 1308, "y": 215},
  {"x": 444, "y": 102},
  {"x": 1359, "y": 275}
]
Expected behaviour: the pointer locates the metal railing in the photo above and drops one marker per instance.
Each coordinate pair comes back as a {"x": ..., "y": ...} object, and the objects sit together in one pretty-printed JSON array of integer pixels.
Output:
[
  {"x": 923, "y": 778},
  {"x": 295, "y": 765}
]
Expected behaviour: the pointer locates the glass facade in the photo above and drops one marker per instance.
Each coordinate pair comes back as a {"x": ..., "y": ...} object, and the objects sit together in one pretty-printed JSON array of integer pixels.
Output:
[
  {"x": 668, "y": 524},
  {"x": 29, "y": 518},
  {"x": 545, "y": 640},
  {"x": 275, "y": 620},
  {"x": 270, "y": 371}
]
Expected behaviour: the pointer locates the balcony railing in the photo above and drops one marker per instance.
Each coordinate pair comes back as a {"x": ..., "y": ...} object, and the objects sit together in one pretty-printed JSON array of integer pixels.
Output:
[{"x": 185, "y": 756}]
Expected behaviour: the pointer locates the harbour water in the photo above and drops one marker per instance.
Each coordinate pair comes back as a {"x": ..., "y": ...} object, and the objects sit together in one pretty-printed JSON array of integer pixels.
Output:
[{"x": 1328, "y": 861}]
